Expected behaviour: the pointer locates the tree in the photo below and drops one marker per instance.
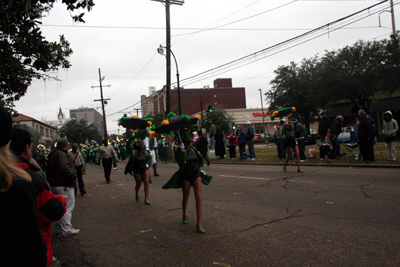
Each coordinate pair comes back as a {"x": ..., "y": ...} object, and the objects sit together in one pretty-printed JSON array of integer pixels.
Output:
[
  {"x": 24, "y": 52},
  {"x": 296, "y": 86},
  {"x": 80, "y": 131},
  {"x": 220, "y": 118},
  {"x": 357, "y": 72}
]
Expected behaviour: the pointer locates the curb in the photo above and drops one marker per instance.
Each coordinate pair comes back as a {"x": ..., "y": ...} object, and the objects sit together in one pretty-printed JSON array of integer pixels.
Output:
[{"x": 387, "y": 166}]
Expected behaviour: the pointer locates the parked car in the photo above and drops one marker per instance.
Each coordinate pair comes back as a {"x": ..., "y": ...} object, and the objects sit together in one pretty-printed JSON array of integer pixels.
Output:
[{"x": 346, "y": 133}]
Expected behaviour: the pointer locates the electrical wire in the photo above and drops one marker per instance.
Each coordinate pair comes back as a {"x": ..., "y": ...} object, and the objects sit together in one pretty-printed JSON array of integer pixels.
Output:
[{"x": 244, "y": 60}]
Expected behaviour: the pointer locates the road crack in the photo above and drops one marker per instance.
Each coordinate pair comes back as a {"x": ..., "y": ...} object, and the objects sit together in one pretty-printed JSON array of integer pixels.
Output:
[{"x": 362, "y": 187}]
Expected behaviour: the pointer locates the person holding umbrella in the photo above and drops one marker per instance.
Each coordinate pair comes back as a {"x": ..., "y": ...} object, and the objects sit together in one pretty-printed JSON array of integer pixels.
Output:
[
  {"x": 138, "y": 166},
  {"x": 189, "y": 175}
]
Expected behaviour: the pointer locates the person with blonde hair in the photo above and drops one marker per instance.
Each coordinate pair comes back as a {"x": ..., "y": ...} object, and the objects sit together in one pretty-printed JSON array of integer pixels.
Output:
[{"x": 22, "y": 243}]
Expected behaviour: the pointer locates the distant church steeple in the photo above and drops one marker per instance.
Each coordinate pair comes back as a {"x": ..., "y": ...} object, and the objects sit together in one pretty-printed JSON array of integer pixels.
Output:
[{"x": 61, "y": 116}]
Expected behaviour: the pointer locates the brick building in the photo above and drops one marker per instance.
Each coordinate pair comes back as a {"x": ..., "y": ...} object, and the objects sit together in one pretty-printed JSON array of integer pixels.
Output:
[{"x": 223, "y": 95}]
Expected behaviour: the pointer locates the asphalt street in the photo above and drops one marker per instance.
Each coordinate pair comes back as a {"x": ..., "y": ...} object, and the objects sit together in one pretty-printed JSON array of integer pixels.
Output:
[{"x": 254, "y": 215}]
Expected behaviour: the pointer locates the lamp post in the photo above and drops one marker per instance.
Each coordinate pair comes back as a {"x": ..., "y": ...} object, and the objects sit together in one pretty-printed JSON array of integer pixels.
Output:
[
  {"x": 160, "y": 50},
  {"x": 262, "y": 113}
]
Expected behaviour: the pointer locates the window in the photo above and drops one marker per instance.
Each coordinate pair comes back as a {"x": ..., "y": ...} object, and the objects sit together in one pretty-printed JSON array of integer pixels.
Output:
[
  {"x": 47, "y": 132},
  {"x": 41, "y": 130}
]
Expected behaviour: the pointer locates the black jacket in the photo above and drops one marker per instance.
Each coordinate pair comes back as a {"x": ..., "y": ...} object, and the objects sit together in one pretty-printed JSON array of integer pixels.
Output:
[
  {"x": 366, "y": 128},
  {"x": 59, "y": 171},
  {"x": 202, "y": 144},
  {"x": 324, "y": 125},
  {"x": 336, "y": 128}
]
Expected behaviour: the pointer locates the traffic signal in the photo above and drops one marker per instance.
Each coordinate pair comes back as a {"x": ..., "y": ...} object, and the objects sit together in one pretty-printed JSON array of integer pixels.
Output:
[
  {"x": 233, "y": 126},
  {"x": 209, "y": 107}
]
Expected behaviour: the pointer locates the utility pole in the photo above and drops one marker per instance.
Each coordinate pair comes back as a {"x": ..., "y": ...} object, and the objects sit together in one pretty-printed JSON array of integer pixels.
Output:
[
  {"x": 262, "y": 113},
  {"x": 137, "y": 111},
  {"x": 393, "y": 22},
  {"x": 103, "y": 101},
  {"x": 168, "y": 46}
]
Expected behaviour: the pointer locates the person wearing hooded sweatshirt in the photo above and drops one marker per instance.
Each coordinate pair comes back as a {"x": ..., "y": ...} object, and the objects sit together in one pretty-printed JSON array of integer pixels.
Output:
[
  {"x": 366, "y": 136},
  {"x": 389, "y": 129}
]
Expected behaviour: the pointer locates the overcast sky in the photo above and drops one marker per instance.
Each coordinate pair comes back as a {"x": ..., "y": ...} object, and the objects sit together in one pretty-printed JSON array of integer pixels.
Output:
[{"x": 121, "y": 38}]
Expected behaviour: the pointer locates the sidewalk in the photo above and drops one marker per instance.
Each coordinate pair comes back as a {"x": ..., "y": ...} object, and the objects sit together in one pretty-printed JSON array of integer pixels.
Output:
[{"x": 216, "y": 160}]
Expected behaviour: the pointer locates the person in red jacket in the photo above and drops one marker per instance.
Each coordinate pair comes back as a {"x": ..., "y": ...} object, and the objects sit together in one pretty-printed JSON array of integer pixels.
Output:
[
  {"x": 50, "y": 207},
  {"x": 232, "y": 144}
]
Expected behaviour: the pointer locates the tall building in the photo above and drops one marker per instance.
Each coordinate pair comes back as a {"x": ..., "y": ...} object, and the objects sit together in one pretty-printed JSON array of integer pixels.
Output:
[
  {"x": 223, "y": 96},
  {"x": 90, "y": 115}
]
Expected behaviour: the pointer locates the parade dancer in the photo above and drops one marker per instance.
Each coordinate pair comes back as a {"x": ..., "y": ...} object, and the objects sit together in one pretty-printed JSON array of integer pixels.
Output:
[
  {"x": 138, "y": 166},
  {"x": 291, "y": 144},
  {"x": 189, "y": 174}
]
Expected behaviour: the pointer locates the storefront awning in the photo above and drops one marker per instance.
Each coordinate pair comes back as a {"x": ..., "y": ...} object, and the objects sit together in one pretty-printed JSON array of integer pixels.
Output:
[{"x": 343, "y": 109}]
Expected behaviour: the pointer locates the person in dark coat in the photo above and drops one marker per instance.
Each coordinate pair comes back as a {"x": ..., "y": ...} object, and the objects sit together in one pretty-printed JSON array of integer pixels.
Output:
[
  {"x": 241, "y": 134},
  {"x": 202, "y": 146},
  {"x": 21, "y": 241},
  {"x": 324, "y": 125},
  {"x": 300, "y": 138},
  {"x": 50, "y": 207},
  {"x": 219, "y": 144},
  {"x": 366, "y": 136},
  {"x": 336, "y": 129}
]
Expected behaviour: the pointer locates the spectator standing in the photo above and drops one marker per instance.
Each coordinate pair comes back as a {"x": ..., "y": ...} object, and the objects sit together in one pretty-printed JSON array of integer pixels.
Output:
[
  {"x": 389, "y": 130},
  {"x": 366, "y": 136},
  {"x": 300, "y": 137},
  {"x": 279, "y": 142},
  {"x": 78, "y": 162},
  {"x": 219, "y": 144},
  {"x": 106, "y": 153},
  {"x": 323, "y": 126},
  {"x": 232, "y": 144},
  {"x": 373, "y": 125},
  {"x": 50, "y": 207},
  {"x": 202, "y": 145},
  {"x": 241, "y": 141},
  {"x": 213, "y": 131},
  {"x": 21, "y": 242},
  {"x": 335, "y": 131},
  {"x": 62, "y": 179},
  {"x": 250, "y": 140}
]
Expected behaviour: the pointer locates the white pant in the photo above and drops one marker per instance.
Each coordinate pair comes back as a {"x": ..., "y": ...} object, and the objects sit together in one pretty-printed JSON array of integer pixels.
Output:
[
  {"x": 392, "y": 150},
  {"x": 64, "y": 225}
]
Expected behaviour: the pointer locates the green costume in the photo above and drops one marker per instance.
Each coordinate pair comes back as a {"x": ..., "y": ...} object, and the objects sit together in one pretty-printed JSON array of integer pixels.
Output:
[{"x": 176, "y": 180}]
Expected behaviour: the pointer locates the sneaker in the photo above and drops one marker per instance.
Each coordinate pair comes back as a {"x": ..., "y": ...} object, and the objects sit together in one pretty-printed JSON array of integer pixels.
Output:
[
  {"x": 82, "y": 193},
  {"x": 72, "y": 232},
  {"x": 253, "y": 159},
  {"x": 303, "y": 160},
  {"x": 115, "y": 168}
]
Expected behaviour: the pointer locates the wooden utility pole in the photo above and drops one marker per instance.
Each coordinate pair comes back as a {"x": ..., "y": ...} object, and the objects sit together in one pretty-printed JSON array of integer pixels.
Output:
[{"x": 103, "y": 101}]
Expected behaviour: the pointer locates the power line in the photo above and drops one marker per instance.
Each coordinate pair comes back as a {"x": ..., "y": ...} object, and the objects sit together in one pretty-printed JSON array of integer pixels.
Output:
[{"x": 233, "y": 64}]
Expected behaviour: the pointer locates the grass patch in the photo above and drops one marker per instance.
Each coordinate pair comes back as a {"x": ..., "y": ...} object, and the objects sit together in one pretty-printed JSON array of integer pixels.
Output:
[{"x": 269, "y": 155}]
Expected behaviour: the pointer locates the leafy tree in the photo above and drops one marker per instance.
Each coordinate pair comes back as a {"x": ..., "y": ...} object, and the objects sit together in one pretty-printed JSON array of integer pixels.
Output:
[
  {"x": 80, "y": 131},
  {"x": 219, "y": 117},
  {"x": 295, "y": 86},
  {"x": 356, "y": 72},
  {"x": 24, "y": 52}
]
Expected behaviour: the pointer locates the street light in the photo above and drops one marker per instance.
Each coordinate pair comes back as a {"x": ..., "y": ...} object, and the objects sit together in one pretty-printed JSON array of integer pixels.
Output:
[
  {"x": 160, "y": 50},
  {"x": 262, "y": 113}
]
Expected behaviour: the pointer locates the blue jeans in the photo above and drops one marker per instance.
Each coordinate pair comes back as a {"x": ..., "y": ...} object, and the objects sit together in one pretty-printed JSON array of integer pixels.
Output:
[
  {"x": 335, "y": 148},
  {"x": 281, "y": 153},
  {"x": 252, "y": 153},
  {"x": 212, "y": 143}
]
